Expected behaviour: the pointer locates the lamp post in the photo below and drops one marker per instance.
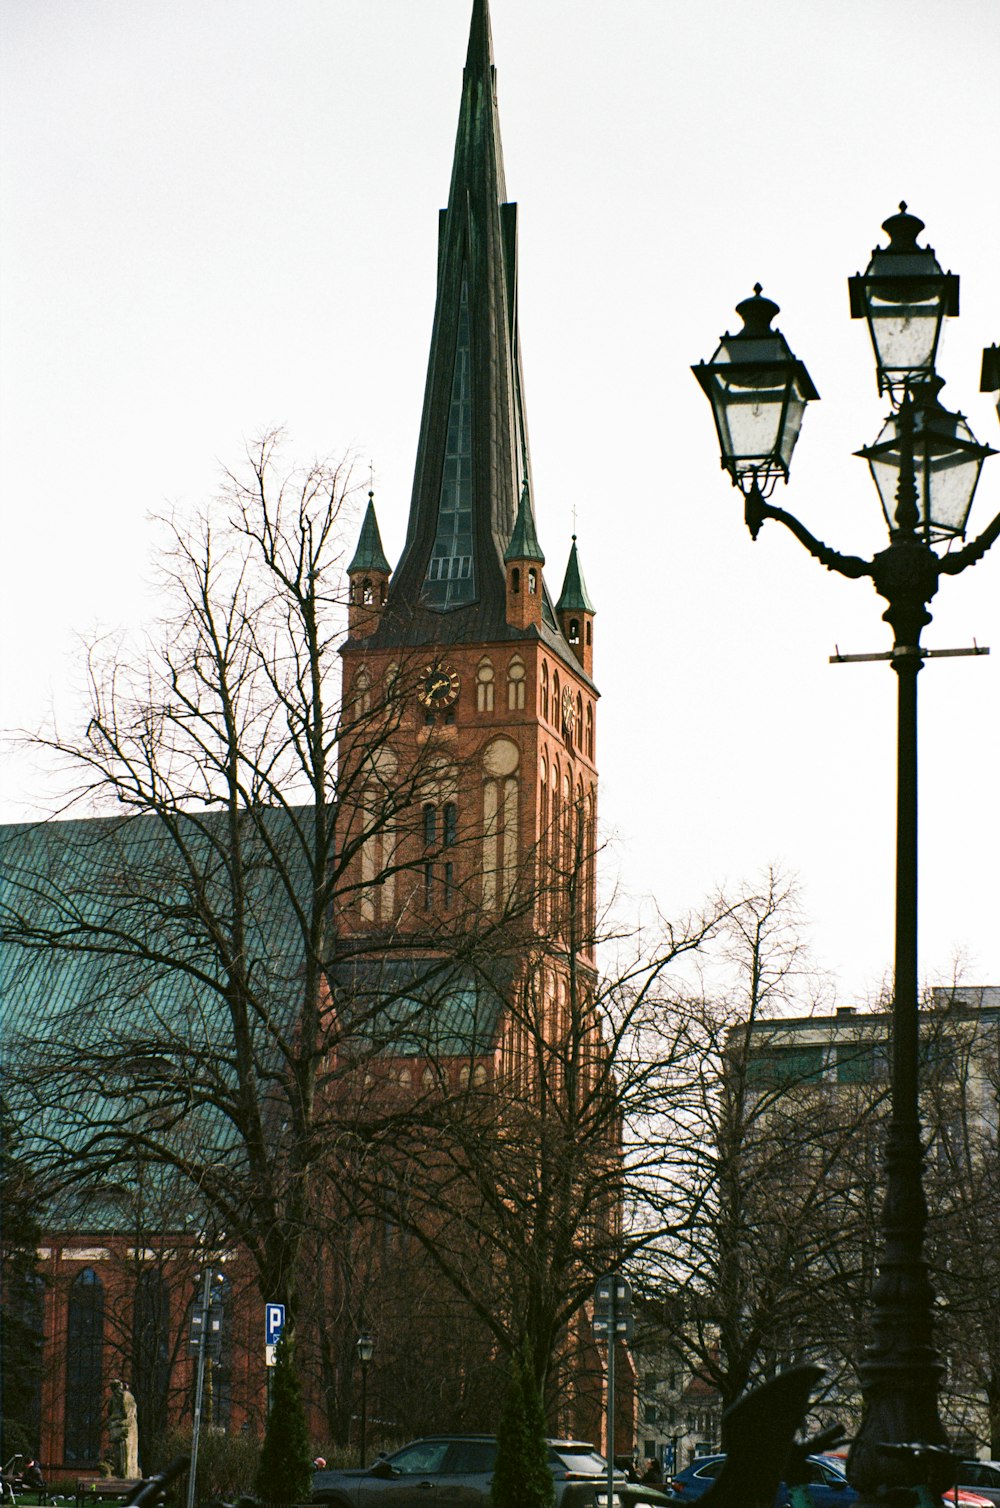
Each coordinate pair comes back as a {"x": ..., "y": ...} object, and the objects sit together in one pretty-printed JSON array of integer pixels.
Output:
[
  {"x": 925, "y": 464},
  {"x": 365, "y": 1347}
]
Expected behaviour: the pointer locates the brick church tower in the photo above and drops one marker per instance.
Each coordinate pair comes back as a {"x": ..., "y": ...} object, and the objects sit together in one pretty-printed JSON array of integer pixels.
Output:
[{"x": 497, "y": 692}]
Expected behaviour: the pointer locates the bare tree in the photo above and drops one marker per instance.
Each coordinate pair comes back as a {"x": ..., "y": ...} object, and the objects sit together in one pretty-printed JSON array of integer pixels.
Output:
[
  {"x": 182, "y": 940},
  {"x": 759, "y": 1160}
]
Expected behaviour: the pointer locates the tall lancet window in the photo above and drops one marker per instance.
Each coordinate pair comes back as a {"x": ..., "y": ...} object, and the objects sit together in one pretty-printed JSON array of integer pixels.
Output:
[{"x": 450, "y": 577}]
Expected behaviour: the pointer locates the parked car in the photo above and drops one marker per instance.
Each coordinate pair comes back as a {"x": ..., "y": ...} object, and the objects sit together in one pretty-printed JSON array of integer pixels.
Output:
[
  {"x": 455, "y": 1471},
  {"x": 982, "y": 1477},
  {"x": 827, "y": 1484}
]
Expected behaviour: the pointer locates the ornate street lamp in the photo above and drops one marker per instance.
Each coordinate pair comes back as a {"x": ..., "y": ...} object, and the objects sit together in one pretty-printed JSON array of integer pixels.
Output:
[
  {"x": 945, "y": 460},
  {"x": 904, "y": 296},
  {"x": 758, "y": 391},
  {"x": 365, "y": 1347},
  {"x": 926, "y": 464}
]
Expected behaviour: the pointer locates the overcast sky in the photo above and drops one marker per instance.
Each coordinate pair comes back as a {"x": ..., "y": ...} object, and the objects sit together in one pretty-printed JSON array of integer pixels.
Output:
[{"x": 218, "y": 217}]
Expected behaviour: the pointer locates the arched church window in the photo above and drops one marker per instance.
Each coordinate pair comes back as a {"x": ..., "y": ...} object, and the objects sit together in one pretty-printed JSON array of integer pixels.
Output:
[
  {"x": 532, "y": 581},
  {"x": 574, "y": 630},
  {"x": 484, "y": 686},
  {"x": 430, "y": 824},
  {"x": 545, "y": 689},
  {"x": 479, "y": 1075},
  {"x": 515, "y": 684},
  {"x": 362, "y": 693},
  {"x": 151, "y": 1349},
  {"x": 500, "y": 852},
  {"x": 578, "y": 725},
  {"x": 405, "y": 1078},
  {"x": 590, "y": 731},
  {"x": 555, "y": 696},
  {"x": 367, "y": 595},
  {"x": 515, "y": 580},
  {"x": 590, "y": 633},
  {"x": 84, "y": 1347},
  {"x": 449, "y": 831}
]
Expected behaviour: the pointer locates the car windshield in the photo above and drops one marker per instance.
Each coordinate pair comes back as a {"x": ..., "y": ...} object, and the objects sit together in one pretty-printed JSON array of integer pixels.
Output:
[{"x": 578, "y": 1458}]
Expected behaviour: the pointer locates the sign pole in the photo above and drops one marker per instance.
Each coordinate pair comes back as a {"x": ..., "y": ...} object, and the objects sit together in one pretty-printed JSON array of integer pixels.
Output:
[
  {"x": 206, "y": 1294},
  {"x": 612, "y": 1337}
]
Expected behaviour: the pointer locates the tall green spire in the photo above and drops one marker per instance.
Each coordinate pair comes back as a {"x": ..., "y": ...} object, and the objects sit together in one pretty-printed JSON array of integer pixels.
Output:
[
  {"x": 369, "y": 556},
  {"x": 472, "y": 451},
  {"x": 574, "y": 597}
]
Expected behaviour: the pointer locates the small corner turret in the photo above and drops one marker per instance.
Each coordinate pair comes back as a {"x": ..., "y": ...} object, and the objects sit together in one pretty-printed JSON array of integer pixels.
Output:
[
  {"x": 368, "y": 574},
  {"x": 523, "y": 560},
  {"x": 576, "y": 613}
]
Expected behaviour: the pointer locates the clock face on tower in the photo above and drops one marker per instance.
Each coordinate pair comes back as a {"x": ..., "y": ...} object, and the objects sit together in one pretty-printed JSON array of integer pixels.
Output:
[
  {"x": 438, "y": 686},
  {"x": 568, "y": 712}
]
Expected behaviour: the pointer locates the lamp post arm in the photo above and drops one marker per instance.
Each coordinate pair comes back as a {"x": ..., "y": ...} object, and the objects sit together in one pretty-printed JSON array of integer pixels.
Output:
[
  {"x": 758, "y": 509},
  {"x": 950, "y": 565}
]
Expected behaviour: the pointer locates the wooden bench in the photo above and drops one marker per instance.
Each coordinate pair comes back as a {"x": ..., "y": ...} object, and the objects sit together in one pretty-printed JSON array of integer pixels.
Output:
[{"x": 99, "y": 1489}]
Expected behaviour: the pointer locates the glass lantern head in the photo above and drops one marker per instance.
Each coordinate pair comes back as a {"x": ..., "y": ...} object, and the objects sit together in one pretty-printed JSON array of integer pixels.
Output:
[
  {"x": 365, "y": 1347},
  {"x": 928, "y": 460},
  {"x": 904, "y": 296},
  {"x": 758, "y": 391}
]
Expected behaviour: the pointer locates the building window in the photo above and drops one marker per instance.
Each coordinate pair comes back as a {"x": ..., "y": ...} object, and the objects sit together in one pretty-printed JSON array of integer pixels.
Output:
[
  {"x": 515, "y": 684},
  {"x": 449, "y": 885},
  {"x": 450, "y": 828},
  {"x": 773, "y": 1067},
  {"x": 362, "y": 694},
  {"x": 84, "y": 1389},
  {"x": 532, "y": 581},
  {"x": 484, "y": 686},
  {"x": 861, "y": 1062},
  {"x": 428, "y": 886},
  {"x": 574, "y": 631},
  {"x": 590, "y": 731},
  {"x": 515, "y": 580},
  {"x": 430, "y": 825},
  {"x": 545, "y": 690},
  {"x": 151, "y": 1350}
]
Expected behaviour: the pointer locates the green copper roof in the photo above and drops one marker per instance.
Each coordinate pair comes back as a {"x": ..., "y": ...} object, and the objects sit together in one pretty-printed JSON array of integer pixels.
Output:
[
  {"x": 369, "y": 556},
  {"x": 524, "y": 541},
  {"x": 574, "y": 598}
]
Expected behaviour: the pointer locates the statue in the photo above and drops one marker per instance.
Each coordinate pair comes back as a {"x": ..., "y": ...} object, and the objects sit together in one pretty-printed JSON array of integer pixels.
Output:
[{"x": 123, "y": 1432}]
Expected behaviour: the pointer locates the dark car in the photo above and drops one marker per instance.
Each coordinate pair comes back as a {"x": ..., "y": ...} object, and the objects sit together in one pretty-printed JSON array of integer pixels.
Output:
[
  {"x": 828, "y": 1487},
  {"x": 982, "y": 1477},
  {"x": 455, "y": 1471}
]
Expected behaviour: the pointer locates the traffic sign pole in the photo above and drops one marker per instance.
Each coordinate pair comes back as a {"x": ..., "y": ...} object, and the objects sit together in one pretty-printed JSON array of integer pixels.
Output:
[{"x": 206, "y": 1295}]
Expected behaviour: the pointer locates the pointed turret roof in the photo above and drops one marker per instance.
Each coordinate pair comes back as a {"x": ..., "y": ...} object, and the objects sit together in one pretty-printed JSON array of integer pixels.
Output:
[
  {"x": 574, "y": 597},
  {"x": 369, "y": 556},
  {"x": 524, "y": 541}
]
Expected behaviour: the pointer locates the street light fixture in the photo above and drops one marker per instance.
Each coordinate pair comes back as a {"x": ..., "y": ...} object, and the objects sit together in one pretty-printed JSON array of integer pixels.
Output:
[
  {"x": 904, "y": 296},
  {"x": 926, "y": 464},
  {"x": 365, "y": 1347}
]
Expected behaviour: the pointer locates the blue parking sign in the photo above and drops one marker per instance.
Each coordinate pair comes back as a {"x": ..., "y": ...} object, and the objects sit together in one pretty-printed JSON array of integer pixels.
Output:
[{"x": 274, "y": 1323}]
